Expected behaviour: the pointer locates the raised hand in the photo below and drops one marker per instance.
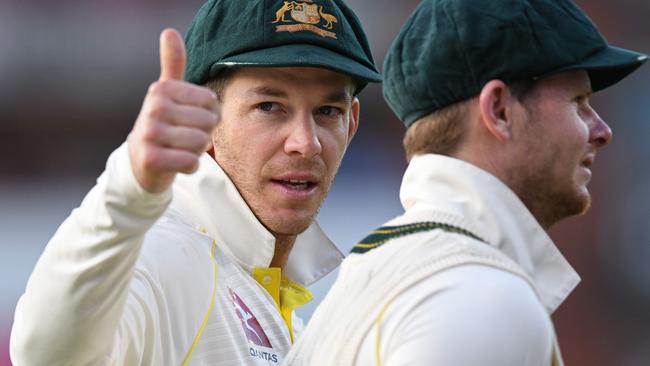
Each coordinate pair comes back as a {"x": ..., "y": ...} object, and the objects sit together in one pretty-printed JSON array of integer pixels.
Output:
[{"x": 175, "y": 123}]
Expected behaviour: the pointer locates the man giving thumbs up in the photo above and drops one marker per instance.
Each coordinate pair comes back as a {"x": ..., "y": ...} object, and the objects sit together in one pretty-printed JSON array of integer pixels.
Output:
[{"x": 207, "y": 266}]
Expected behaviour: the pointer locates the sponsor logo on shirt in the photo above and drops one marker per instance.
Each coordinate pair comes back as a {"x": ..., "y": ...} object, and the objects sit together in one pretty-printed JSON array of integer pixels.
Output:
[
  {"x": 252, "y": 328},
  {"x": 262, "y": 355}
]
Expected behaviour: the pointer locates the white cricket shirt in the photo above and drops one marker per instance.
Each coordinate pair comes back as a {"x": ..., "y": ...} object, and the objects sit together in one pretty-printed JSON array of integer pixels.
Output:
[
  {"x": 477, "y": 293},
  {"x": 133, "y": 278}
]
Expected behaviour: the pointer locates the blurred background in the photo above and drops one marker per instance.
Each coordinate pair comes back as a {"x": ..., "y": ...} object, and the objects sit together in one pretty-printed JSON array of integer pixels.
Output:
[{"x": 72, "y": 77}]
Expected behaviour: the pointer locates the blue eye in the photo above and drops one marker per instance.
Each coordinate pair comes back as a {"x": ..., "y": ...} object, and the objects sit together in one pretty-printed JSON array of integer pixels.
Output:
[
  {"x": 328, "y": 110},
  {"x": 268, "y": 106}
]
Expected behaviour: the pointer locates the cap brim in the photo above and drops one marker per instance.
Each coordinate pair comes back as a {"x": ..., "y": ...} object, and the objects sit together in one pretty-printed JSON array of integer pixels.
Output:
[
  {"x": 609, "y": 66},
  {"x": 299, "y": 55}
]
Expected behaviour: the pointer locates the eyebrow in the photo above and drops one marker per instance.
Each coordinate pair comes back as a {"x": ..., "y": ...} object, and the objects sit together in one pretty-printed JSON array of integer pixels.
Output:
[
  {"x": 342, "y": 96},
  {"x": 339, "y": 97},
  {"x": 266, "y": 91}
]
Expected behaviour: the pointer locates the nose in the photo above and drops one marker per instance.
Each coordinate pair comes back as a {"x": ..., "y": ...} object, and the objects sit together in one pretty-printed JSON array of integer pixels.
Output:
[
  {"x": 600, "y": 134},
  {"x": 303, "y": 137}
]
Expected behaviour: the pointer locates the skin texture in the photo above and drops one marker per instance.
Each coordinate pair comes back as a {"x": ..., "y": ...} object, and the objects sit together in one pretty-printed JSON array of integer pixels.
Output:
[
  {"x": 276, "y": 124},
  {"x": 543, "y": 146},
  {"x": 282, "y": 124}
]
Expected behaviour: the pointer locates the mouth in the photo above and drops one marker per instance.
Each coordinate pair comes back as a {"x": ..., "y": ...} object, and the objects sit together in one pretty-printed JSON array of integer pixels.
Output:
[
  {"x": 588, "y": 161},
  {"x": 304, "y": 182},
  {"x": 296, "y": 184}
]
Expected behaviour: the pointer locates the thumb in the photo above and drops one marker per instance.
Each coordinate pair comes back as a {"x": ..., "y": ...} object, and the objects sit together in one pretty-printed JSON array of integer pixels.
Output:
[{"x": 172, "y": 55}]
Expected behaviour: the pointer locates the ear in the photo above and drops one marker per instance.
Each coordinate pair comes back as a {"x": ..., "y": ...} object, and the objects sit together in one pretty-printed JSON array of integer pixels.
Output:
[
  {"x": 214, "y": 135},
  {"x": 353, "y": 117},
  {"x": 495, "y": 103}
]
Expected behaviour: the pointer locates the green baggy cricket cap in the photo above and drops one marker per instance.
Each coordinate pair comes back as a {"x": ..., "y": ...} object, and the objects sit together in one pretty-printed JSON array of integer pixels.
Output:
[
  {"x": 449, "y": 49},
  {"x": 278, "y": 33}
]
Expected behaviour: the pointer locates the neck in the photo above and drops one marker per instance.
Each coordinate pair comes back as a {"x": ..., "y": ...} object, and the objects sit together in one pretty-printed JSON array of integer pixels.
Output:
[
  {"x": 515, "y": 180},
  {"x": 541, "y": 208},
  {"x": 283, "y": 246}
]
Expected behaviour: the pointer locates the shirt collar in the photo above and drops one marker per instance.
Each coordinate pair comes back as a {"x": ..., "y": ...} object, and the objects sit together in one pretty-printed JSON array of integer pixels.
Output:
[
  {"x": 462, "y": 194},
  {"x": 212, "y": 203}
]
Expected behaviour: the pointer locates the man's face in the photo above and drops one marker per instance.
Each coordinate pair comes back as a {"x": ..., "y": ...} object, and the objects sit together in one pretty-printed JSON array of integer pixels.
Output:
[
  {"x": 281, "y": 138},
  {"x": 558, "y": 145}
]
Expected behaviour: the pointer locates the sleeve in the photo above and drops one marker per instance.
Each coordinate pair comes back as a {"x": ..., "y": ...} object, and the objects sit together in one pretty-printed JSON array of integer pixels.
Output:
[
  {"x": 471, "y": 315},
  {"x": 74, "y": 308}
]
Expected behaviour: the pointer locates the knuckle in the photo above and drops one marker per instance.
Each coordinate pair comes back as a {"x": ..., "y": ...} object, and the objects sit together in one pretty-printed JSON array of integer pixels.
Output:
[
  {"x": 205, "y": 140},
  {"x": 202, "y": 96},
  {"x": 158, "y": 108},
  {"x": 155, "y": 87},
  {"x": 214, "y": 118},
  {"x": 209, "y": 96},
  {"x": 160, "y": 87},
  {"x": 150, "y": 160},
  {"x": 202, "y": 119},
  {"x": 199, "y": 140},
  {"x": 208, "y": 120},
  {"x": 152, "y": 132},
  {"x": 191, "y": 166}
]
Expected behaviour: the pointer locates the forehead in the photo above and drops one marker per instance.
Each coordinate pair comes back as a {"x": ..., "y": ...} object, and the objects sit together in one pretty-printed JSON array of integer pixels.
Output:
[{"x": 291, "y": 79}]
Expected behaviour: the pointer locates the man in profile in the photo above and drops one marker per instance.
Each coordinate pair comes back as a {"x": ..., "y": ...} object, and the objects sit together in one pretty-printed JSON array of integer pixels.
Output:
[{"x": 500, "y": 140}]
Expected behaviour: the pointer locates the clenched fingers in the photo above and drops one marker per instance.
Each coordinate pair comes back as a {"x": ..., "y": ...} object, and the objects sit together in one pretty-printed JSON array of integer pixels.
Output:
[
  {"x": 184, "y": 93},
  {"x": 161, "y": 110},
  {"x": 177, "y": 137},
  {"x": 159, "y": 161}
]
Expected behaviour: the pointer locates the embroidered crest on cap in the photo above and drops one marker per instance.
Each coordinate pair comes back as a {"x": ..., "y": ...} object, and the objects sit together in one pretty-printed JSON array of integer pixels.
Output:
[{"x": 307, "y": 15}]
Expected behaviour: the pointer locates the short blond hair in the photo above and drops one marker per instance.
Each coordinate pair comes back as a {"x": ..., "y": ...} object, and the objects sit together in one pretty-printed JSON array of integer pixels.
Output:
[
  {"x": 218, "y": 83},
  {"x": 440, "y": 132}
]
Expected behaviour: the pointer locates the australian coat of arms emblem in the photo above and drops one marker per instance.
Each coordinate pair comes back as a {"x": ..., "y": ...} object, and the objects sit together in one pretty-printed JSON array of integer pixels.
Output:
[{"x": 305, "y": 16}]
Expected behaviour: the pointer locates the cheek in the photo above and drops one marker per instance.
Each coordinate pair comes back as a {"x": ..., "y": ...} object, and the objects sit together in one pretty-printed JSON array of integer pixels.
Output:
[
  {"x": 334, "y": 144},
  {"x": 575, "y": 139},
  {"x": 568, "y": 151},
  {"x": 233, "y": 149},
  {"x": 567, "y": 131}
]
